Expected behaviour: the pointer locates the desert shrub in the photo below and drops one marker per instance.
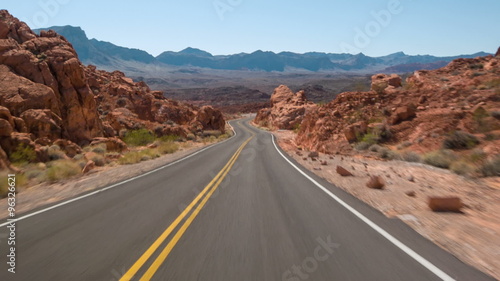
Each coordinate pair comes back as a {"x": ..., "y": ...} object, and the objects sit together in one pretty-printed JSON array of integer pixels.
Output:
[
  {"x": 360, "y": 146},
  {"x": 370, "y": 139},
  {"x": 491, "y": 168},
  {"x": 100, "y": 149},
  {"x": 477, "y": 66},
  {"x": 150, "y": 153},
  {"x": 191, "y": 137},
  {"x": 170, "y": 138},
  {"x": 121, "y": 102},
  {"x": 386, "y": 153},
  {"x": 210, "y": 133},
  {"x": 410, "y": 156},
  {"x": 477, "y": 155},
  {"x": 23, "y": 154},
  {"x": 460, "y": 140},
  {"x": 404, "y": 145},
  {"x": 139, "y": 137},
  {"x": 440, "y": 158},
  {"x": 98, "y": 160},
  {"x": 130, "y": 158},
  {"x": 224, "y": 136},
  {"x": 375, "y": 148},
  {"x": 167, "y": 148},
  {"x": 462, "y": 168},
  {"x": 490, "y": 137},
  {"x": 78, "y": 157},
  {"x": 61, "y": 169},
  {"x": 55, "y": 153}
]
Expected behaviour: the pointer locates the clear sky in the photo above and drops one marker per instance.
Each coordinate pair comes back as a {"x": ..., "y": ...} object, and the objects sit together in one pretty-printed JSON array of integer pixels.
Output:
[{"x": 374, "y": 27}]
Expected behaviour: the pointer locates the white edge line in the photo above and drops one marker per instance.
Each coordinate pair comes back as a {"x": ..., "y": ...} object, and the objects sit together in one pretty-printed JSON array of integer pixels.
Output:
[
  {"x": 438, "y": 272},
  {"x": 9, "y": 221}
]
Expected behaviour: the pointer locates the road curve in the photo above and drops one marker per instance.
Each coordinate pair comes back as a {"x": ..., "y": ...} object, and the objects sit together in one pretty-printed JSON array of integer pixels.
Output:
[{"x": 237, "y": 211}]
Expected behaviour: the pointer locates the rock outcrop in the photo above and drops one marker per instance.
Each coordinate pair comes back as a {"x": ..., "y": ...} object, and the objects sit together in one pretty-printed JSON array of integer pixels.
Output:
[
  {"x": 430, "y": 106},
  {"x": 48, "y": 96},
  {"x": 287, "y": 109}
]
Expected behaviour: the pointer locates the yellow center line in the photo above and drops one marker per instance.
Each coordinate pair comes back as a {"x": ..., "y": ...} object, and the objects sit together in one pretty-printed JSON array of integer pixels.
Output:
[
  {"x": 149, "y": 252},
  {"x": 164, "y": 254}
]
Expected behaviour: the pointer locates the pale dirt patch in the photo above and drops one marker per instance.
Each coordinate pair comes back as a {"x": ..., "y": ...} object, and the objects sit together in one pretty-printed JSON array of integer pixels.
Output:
[
  {"x": 473, "y": 237},
  {"x": 45, "y": 193}
]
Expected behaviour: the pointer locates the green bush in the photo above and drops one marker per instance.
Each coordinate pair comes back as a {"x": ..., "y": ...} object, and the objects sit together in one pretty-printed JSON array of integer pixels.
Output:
[
  {"x": 370, "y": 138},
  {"x": 139, "y": 137},
  {"x": 61, "y": 169},
  {"x": 23, "y": 154},
  {"x": 460, "y": 140},
  {"x": 440, "y": 158},
  {"x": 171, "y": 138},
  {"x": 491, "y": 168}
]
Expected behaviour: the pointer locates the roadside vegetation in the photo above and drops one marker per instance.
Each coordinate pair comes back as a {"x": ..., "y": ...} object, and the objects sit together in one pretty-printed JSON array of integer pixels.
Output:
[{"x": 143, "y": 145}]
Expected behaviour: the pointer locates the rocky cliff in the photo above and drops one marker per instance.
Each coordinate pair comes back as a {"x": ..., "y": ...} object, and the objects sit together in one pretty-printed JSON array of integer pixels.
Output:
[
  {"x": 287, "y": 109},
  {"x": 421, "y": 112},
  {"x": 47, "y": 96}
]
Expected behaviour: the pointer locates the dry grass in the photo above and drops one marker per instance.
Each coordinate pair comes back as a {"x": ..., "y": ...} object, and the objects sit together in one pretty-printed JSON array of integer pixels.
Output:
[{"x": 61, "y": 169}]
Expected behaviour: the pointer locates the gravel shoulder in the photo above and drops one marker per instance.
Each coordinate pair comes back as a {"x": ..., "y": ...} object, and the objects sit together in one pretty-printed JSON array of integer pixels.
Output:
[{"x": 472, "y": 236}]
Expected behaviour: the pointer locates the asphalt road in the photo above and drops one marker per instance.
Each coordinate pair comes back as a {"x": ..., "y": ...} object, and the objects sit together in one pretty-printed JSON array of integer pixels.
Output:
[{"x": 232, "y": 212}]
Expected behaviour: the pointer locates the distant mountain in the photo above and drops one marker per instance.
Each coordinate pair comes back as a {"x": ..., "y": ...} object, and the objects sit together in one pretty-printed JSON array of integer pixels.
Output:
[
  {"x": 99, "y": 52},
  {"x": 107, "y": 56}
]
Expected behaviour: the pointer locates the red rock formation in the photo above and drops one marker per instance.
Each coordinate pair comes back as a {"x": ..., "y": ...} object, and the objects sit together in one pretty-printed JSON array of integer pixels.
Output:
[
  {"x": 422, "y": 112},
  {"x": 287, "y": 109},
  {"x": 48, "y": 96},
  {"x": 430, "y": 106}
]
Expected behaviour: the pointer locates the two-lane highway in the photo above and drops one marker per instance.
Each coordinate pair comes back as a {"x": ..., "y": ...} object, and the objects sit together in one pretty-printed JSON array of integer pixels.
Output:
[{"x": 240, "y": 210}]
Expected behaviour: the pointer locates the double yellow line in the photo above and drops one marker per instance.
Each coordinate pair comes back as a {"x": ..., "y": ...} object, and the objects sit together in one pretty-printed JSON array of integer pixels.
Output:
[{"x": 205, "y": 194}]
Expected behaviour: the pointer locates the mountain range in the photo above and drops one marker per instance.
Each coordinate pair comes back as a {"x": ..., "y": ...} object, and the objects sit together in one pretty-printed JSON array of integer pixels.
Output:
[{"x": 106, "y": 55}]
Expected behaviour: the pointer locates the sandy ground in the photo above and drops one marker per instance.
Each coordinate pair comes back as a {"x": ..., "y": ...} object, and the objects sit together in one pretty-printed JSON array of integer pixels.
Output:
[
  {"x": 44, "y": 194},
  {"x": 473, "y": 236}
]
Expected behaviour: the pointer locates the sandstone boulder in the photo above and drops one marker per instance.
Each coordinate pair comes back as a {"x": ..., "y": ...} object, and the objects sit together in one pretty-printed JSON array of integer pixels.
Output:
[
  {"x": 445, "y": 204},
  {"x": 403, "y": 113},
  {"x": 354, "y": 131},
  {"x": 343, "y": 172},
  {"x": 43, "y": 123},
  {"x": 112, "y": 144},
  {"x": 375, "y": 182},
  {"x": 88, "y": 167},
  {"x": 70, "y": 148},
  {"x": 381, "y": 82}
]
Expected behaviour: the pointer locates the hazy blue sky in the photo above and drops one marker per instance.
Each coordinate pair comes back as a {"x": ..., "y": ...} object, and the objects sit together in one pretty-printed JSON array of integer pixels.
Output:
[{"x": 374, "y": 27}]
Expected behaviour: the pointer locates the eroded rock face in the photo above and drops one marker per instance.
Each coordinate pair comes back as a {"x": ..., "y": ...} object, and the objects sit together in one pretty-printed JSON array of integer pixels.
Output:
[
  {"x": 381, "y": 82},
  {"x": 424, "y": 112},
  {"x": 287, "y": 110},
  {"x": 48, "y": 96},
  {"x": 44, "y": 73}
]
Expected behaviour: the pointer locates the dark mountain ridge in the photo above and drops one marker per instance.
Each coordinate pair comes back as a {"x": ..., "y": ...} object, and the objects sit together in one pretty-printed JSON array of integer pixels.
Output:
[{"x": 105, "y": 55}]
